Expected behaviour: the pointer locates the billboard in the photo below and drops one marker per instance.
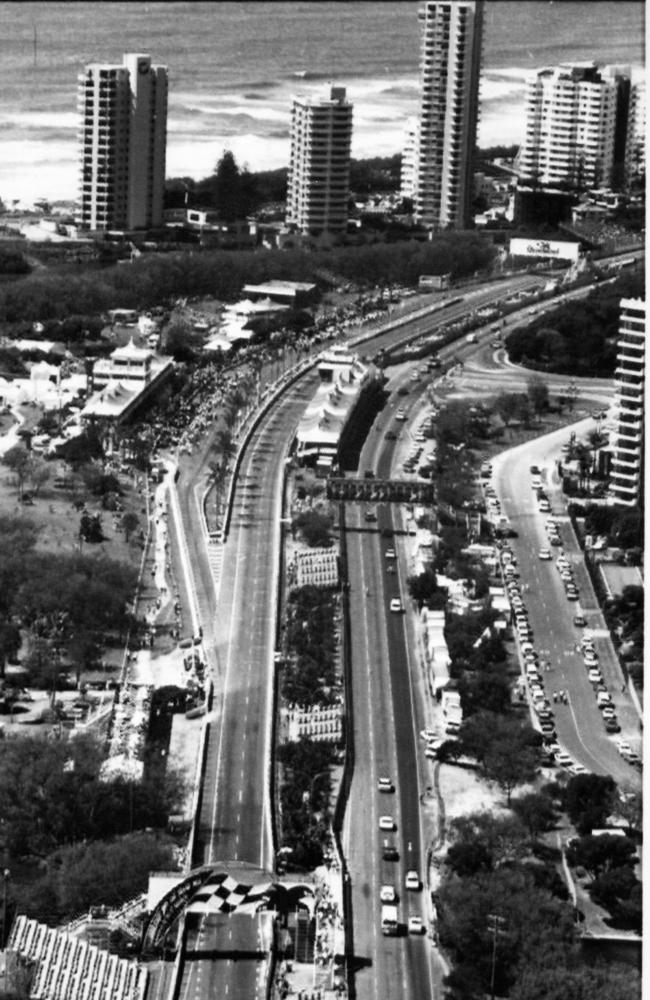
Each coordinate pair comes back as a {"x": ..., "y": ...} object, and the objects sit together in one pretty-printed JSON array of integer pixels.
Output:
[{"x": 552, "y": 249}]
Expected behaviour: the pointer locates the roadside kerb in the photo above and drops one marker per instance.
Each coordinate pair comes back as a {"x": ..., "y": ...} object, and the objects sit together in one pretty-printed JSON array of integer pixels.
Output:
[
  {"x": 277, "y": 392},
  {"x": 197, "y": 794}
]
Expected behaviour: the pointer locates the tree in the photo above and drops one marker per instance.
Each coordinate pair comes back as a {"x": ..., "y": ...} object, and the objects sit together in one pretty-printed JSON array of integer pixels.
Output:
[
  {"x": 503, "y": 837},
  {"x": 231, "y": 189},
  {"x": 17, "y": 459},
  {"x": 619, "y": 891},
  {"x": 315, "y": 527},
  {"x": 537, "y": 390},
  {"x": 539, "y": 979},
  {"x": 602, "y": 853},
  {"x": 506, "y": 405},
  {"x": 503, "y": 746},
  {"x": 536, "y": 811},
  {"x": 588, "y": 800},
  {"x": 38, "y": 473},
  {"x": 130, "y": 523},
  {"x": 424, "y": 589}
]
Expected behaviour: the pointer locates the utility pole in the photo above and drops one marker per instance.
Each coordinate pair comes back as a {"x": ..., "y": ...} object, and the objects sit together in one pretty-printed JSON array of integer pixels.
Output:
[{"x": 496, "y": 925}]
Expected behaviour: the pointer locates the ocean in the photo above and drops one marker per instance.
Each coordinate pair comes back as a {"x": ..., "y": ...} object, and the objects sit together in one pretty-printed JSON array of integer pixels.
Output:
[{"x": 233, "y": 68}]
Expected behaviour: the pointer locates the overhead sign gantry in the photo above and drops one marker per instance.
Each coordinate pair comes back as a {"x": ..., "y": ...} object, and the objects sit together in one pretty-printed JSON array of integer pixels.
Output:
[{"x": 379, "y": 490}]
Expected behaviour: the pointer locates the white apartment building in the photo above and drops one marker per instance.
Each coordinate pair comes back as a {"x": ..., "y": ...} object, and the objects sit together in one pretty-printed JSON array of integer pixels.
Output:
[
  {"x": 409, "y": 160},
  {"x": 123, "y": 135},
  {"x": 627, "y": 441},
  {"x": 319, "y": 167},
  {"x": 449, "y": 81},
  {"x": 636, "y": 134},
  {"x": 571, "y": 125}
]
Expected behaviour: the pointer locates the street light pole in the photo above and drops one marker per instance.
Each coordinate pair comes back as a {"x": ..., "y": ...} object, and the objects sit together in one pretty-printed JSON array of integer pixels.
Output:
[{"x": 495, "y": 927}]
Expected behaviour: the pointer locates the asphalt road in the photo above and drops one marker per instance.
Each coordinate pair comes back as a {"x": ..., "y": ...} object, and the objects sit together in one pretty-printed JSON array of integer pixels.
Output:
[
  {"x": 579, "y": 724},
  {"x": 234, "y": 822},
  {"x": 385, "y": 744},
  {"x": 239, "y": 631}
]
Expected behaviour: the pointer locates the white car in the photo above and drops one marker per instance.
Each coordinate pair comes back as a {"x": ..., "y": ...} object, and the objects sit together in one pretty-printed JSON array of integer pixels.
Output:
[
  {"x": 623, "y": 746},
  {"x": 578, "y": 769},
  {"x": 591, "y": 660},
  {"x": 386, "y": 823},
  {"x": 415, "y": 925},
  {"x": 390, "y": 553},
  {"x": 396, "y": 605},
  {"x": 595, "y": 675},
  {"x": 608, "y": 711},
  {"x": 387, "y": 894},
  {"x": 384, "y": 784},
  {"x": 563, "y": 758},
  {"x": 412, "y": 880},
  {"x": 545, "y": 554}
]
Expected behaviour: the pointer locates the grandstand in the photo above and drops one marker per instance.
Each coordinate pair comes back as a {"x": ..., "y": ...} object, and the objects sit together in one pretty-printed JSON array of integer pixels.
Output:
[{"x": 67, "y": 966}]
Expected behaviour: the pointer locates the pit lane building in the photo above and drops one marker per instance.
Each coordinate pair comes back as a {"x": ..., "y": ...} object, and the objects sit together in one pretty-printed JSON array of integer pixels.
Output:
[{"x": 328, "y": 423}]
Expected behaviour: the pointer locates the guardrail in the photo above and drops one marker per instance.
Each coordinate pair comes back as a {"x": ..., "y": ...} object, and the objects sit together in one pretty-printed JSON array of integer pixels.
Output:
[{"x": 348, "y": 761}]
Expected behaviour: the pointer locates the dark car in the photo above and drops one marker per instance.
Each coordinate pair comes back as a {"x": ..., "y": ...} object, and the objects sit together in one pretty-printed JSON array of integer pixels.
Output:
[
  {"x": 390, "y": 436},
  {"x": 612, "y": 726},
  {"x": 403, "y": 390}
]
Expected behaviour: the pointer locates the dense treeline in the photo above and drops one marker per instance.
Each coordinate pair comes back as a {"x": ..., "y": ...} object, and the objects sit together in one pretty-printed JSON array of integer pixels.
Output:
[
  {"x": 150, "y": 280},
  {"x": 577, "y": 338},
  {"x": 503, "y": 910},
  {"x": 235, "y": 192},
  {"x": 61, "y": 604}
]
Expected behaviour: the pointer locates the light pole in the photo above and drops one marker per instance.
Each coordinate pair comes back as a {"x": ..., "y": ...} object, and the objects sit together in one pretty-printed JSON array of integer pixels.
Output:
[{"x": 496, "y": 925}]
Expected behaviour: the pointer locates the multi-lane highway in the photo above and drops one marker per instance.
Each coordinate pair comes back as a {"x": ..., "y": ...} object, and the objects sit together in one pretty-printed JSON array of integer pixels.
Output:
[{"x": 239, "y": 631}]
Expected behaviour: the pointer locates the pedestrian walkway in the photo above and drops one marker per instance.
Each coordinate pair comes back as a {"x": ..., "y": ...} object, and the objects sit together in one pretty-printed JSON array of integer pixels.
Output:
[{"x": 215, "y": 562}]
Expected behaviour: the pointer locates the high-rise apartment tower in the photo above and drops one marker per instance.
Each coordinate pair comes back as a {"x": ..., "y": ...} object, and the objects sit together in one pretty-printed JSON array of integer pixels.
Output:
[
  {"x": 575, "y": 125},
  {"x": 319, "y": 167},
  {"x": 449, "y": 80},
  {"x": 123, "y": 134},
  {"x": 627, "y": 441}
]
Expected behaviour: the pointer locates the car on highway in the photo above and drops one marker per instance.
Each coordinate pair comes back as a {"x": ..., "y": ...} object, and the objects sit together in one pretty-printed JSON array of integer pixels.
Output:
[
  {"x": 387, "y": 894},
  {"x": 535, "y": 470},
  {"x": 401, "y": 415},
  {"x": 403, "y": 390},
  {"x": 384, "y": 784},
  {"x": 370, "y": 515},
  {"x": 391, "y": 568},
  {"x": 415, "y": 925},
  {"x": 390, "y": 553},
  {"x": 390, "y": 436},
  {"x": 412, "y": 880},
  {"x": 396, "y": 605},
  {"x": 389, "y": 852},
  {"x": 545, "y": 554},
  {"x": 544, "y": 506},
  {"x": 386, "y": 823}
]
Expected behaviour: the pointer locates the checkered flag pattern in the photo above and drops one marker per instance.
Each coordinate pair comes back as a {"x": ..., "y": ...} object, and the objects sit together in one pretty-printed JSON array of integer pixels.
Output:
[{"x": 223, "y": 894}]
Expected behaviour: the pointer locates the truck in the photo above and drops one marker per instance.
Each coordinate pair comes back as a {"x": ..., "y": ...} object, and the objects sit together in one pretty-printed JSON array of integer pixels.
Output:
[{"x": 389, "y": 925}]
